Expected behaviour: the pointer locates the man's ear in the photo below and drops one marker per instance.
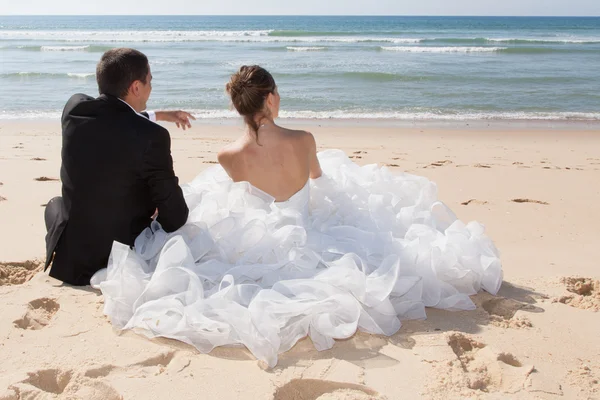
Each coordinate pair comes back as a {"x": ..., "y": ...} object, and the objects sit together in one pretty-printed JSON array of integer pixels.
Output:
[{"x": 134, "y": 88}]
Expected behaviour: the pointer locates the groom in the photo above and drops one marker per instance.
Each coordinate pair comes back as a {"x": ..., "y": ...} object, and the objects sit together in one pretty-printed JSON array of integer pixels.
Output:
[{"x": 116, "y": 170}]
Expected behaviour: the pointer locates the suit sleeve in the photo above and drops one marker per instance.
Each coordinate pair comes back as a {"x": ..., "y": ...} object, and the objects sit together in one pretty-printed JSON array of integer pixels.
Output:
[
  {"x": 151, "y": 115},
  {"x": 73, "y": 102},
  {"x": 164, "y": 185}
]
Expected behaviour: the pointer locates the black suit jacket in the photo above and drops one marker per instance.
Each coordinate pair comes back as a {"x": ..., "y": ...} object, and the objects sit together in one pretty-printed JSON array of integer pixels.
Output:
[{"x": 116, "y": 170}]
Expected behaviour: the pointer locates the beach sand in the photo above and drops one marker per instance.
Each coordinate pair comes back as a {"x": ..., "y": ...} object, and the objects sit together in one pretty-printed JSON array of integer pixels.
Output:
[{"x": 535, "y": 189}]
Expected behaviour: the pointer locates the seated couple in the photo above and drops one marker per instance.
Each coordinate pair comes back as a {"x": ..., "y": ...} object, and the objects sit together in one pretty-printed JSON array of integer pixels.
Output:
[{"x": 275, "y": 243}]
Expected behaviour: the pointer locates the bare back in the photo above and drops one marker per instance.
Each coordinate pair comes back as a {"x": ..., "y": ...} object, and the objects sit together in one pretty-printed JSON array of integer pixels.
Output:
[{"x": 279, "y": 162}]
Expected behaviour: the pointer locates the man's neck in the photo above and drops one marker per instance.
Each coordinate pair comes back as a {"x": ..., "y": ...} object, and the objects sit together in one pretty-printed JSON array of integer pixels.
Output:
[{"x": 131, "y": 104}]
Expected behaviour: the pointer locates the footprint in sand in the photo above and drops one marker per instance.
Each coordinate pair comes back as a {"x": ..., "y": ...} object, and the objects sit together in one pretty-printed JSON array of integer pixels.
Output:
[
  {"x": 585, "y": 293},
  {"x": 17, "y": 273},
  {"x": 530, "y": 201},
  {"x": 172, "y": 361},
  {"x": 154, "y": 365},
  {"x": 474, "y": 201},
  {"x": 50, "y": 380},
  {"x": 38, "y": 159},
  {"x": 210, "y": 162},
  {"x": 161, "y": 360},
  {"x": 2, "y": 198},
  {"x": 100, "y": 372},
  {"x": 45, "y": 179},
  {"x": 586, "y": 377},
  {"x": 479, "y": 368},
  {"x": 317, "y": 389},
  {"x": 39, "y": 314},
  {"x": 440, "y": 163},
  {"x": 392, "y": 165},
  {"x": 482, "y": 166},
  {"x": 502, "y": 311},
  {"x": 58, "y": 383}
]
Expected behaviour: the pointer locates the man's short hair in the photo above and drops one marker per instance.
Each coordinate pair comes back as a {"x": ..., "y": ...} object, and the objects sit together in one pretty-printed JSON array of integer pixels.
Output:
[{"x": 118, "y": 69}]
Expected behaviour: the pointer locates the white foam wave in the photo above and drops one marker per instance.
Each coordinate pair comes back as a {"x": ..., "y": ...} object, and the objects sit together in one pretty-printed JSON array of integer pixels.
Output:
[
  {"x": 81, "y": 75},
  {"x": 128, "y": 36},
  {"x": 203, "y": 114},
  {"x": 64, "y": 48},
  {"x": 30, "y": 115},
  {"x": 167, "y": 62},
  {"x": 452, "y": 49},
  {"x": 545, "y": 40},
  {"x": 293, "y": 48},
  {"x": 405, "y": 40},
  {"x": 190, "y": 36},
  {"x": 427, "y": 116},
  {"x": 50, "y": 74}
]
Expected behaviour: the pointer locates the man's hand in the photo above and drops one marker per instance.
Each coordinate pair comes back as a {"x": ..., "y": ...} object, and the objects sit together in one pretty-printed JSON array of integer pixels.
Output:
[{"x": 181, "y": 118}]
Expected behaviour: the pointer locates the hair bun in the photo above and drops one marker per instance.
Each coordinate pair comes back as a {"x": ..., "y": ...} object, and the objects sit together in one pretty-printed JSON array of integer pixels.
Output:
[
  {"x": 234, "y": 86},
  {"x": 248, "y": 89}
]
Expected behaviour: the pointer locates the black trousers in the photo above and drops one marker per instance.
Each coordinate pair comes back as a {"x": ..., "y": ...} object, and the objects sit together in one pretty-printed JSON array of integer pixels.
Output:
[{"x": 55, "y": 219}]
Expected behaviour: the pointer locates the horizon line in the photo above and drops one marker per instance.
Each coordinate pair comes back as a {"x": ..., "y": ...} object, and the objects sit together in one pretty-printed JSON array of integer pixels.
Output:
[{"x": 300, "y": 15}]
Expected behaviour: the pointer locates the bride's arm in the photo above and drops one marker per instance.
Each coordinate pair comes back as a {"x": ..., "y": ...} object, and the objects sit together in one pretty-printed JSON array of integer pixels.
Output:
[{"x": 315, "y": 167}]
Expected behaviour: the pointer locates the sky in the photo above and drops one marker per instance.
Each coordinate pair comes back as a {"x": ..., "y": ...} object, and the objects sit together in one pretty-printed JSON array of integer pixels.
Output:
[{"x": 302, "y": 7}]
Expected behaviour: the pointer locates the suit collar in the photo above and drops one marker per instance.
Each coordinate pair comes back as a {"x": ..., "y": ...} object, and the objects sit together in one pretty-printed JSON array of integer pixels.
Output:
[{"x": 117, "y": 102}]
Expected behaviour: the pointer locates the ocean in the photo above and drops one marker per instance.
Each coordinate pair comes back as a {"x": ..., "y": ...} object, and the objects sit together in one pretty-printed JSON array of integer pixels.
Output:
[{"x": 397, "y": 68}]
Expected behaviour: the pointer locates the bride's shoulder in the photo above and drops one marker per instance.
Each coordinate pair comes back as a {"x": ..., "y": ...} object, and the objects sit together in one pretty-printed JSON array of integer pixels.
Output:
[
  {"x": 304, "y": 136},
  {"x": 228, "y": 152}
]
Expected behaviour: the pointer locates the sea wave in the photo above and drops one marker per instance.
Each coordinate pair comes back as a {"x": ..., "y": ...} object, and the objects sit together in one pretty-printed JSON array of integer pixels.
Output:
[
  {"x": 64, "y": 48},
  {"x": 453, "y": 49},
  {"x": 270, "y": 35},
  {"x": 518, "y": 41},
  {"x": 86, "y": 48},
  {"x": 48, "y": 75},
  {"x": 204, "y": 114},
  {"x": 192, "y": 36},
  {"x": 543, "y": 50},
  {"x": 81, "y": 75},
  {"x": 168, "y": 62},
  {"x": 482, "y": 49},
  {"x": 127, "y": 36},
  {"x": 296, "y": 33},
  {"x": 382, "y": 76},
  {"x": 295, "y": 48}
]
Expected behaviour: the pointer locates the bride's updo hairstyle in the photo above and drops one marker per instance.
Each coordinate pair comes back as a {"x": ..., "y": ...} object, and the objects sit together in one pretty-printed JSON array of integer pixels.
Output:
[{"x": 249, "y": 89}]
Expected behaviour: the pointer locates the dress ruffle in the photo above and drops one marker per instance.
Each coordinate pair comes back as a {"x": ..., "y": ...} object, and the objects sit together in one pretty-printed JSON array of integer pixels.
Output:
[{"x": 360, "y": 248}]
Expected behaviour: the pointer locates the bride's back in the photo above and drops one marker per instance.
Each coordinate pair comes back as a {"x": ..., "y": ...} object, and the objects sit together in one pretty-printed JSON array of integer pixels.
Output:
[
  {"x": 276, "y": 161},
  {"x": 273, "y": 159}
]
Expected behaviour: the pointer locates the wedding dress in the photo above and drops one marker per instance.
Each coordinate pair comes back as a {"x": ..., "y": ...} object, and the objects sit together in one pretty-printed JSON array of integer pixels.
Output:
[{"x": 359, "y": 248}]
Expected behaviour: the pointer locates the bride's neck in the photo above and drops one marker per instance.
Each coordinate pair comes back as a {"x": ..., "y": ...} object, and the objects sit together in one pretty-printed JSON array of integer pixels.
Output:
[{"x": 264, "y": 121}]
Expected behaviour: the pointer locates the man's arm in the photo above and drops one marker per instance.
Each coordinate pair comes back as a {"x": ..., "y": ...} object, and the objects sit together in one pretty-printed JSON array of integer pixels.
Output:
[
  {"x": 180, "y": 118},
  {"x": 164, "y": 186}
]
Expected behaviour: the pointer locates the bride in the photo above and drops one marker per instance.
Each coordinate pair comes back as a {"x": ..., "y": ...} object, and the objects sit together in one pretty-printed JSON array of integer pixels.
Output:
[{"x": 282, "y": 242}]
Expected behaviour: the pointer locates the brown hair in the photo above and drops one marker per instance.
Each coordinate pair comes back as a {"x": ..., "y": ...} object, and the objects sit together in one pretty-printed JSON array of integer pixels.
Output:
[
  {"x": 118, "y": 69},
  {"x": 249, "y": 89}
]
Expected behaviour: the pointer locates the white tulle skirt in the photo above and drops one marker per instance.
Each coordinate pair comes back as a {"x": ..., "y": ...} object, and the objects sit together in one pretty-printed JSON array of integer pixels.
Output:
[{"x": 362, "y": 249}]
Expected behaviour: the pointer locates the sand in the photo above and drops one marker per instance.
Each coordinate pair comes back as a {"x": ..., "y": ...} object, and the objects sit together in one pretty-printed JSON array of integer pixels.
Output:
[{"x": 534, "y": 187}]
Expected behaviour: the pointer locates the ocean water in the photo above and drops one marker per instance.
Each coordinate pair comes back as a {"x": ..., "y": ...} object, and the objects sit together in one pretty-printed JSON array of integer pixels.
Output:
[{"x": 407, "y": 68}]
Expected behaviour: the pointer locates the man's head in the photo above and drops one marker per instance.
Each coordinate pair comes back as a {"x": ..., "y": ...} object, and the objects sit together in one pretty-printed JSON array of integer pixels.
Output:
[{"x": 125, "y": 73}]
